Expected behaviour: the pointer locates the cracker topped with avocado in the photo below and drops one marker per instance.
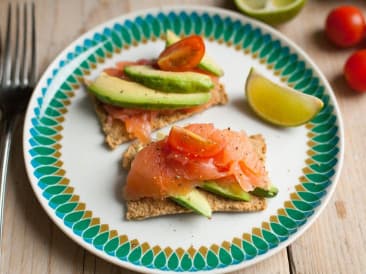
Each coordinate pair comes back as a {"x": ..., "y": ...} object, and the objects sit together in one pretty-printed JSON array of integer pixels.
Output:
[
  {"x": 198, "y": 169},
  {"x": 136, "y": 98}
]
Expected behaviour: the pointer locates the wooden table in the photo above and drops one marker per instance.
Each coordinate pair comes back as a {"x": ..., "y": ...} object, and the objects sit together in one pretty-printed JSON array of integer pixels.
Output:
[{"x": 336, "y": 242}]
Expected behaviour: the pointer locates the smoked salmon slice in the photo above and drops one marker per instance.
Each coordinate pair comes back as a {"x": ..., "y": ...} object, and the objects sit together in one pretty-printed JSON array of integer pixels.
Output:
[{"x": 172, "y": 167}]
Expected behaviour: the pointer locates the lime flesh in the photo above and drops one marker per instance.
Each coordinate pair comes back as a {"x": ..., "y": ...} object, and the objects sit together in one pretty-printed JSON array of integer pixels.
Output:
[
  {"x": 280, "y": 105},
  {"x": 271, "y": 11}
]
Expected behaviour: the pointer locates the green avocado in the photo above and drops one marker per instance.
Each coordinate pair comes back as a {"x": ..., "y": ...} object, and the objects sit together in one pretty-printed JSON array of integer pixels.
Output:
[
  {"x": 118, "y": 92},
  {"x": 270, "y": 193},
  {"x": 169, "y": 81},
  {"x": 195, "y": 201},
  {"x": 207, "y": 63},
  {"x": 226, "y": 192}
]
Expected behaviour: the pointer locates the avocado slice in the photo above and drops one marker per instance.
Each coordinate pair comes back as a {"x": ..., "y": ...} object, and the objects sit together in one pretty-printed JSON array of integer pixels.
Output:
[
  {"x": 207, "y": 63},
  {"x": 226, "y": 192},
  {"x": 169, "y": 81},
  {"x": 118, "y": 92},
  {"x": 195, "y": 201},
  {"x": 261, "y": 192}
]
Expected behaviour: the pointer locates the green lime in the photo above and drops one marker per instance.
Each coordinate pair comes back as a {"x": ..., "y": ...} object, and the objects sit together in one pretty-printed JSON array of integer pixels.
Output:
[
  {"x": 280, "y": 105},
  {"x": 271, "y": 11}
]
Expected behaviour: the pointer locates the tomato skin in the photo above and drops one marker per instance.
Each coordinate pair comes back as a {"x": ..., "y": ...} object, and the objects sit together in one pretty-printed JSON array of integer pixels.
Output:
[
  {"x": 192, "y": 144},
  {"x": 345, "y": 26},
  {"x": 183, "y": 55},
  {"x": 355, "y": 70}
]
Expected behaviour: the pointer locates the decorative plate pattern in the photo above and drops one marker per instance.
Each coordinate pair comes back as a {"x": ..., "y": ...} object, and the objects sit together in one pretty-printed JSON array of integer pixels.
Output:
[{"x": 44, "y": 134}]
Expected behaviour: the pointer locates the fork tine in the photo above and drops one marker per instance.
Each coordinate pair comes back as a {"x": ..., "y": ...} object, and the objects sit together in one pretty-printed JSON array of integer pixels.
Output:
[
  {"x": 15, "y": 64},
  {"x": 32, "y": 72},
  {"x": 23, "y": 73},
  {"x": 1, "y": 57},
  {"x": 7, "y": 57}
]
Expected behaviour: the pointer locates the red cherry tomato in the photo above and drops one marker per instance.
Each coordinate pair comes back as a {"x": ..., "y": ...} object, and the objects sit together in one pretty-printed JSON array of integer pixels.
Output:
[
  {"x": 355, "y": 70},
  {"x": 345, "y": 26},
  {"x": 183, "y": 55},
  {"x": 192, "y": 144}
]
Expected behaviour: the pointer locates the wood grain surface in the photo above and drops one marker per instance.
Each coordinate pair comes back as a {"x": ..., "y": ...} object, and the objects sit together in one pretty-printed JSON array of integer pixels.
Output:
[{"x": 335, "y": 243}]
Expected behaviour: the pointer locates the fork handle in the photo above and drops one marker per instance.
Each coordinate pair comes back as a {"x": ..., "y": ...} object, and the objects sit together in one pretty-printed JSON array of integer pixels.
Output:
[{"x": 7, "y": 131}]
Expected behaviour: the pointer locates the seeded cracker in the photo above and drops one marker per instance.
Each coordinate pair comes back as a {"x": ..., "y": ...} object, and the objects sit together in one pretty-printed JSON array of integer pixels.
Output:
[
  {"x": 116, "y": 134},
  {"x": 148, "y": 207}
]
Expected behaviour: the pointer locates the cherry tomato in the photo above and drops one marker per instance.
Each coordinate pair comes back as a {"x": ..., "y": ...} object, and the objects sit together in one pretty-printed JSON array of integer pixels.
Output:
[
  {"x": 355, "y": 70},
  {"x": 345, "y": 26},
  {"x": 183, "y": 55},
  {"x": 191, "y": 143}
]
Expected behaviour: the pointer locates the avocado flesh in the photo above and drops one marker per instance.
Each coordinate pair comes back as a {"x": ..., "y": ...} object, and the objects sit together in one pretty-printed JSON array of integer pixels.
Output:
[
  {"x": 207, "y": 63},
  {"x": 122, "y": 93},
  {"x": 195, "y": 201},
  {"x": 261, "y": 192},
  {"x": 169, "y": 81},
  {"x": 226, "y": 192}
]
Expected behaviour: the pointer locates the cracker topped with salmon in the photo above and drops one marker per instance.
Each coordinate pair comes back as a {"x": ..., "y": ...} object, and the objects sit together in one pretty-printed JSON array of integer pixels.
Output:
[
  {"x": 135, "y": 98},
  {"x": 197, "y": 168}
]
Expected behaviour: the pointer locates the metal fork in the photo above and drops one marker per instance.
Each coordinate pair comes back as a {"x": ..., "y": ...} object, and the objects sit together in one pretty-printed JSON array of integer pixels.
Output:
[{"x": 17, "y": 80}]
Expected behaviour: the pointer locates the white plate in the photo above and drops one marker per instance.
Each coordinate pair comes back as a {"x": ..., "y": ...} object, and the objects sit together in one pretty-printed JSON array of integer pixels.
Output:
[{"x": 78, "y": 180}]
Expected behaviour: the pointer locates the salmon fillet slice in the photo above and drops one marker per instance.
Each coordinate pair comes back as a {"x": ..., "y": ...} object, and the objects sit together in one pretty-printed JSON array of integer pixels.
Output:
[{"x": 147, "y": 207}]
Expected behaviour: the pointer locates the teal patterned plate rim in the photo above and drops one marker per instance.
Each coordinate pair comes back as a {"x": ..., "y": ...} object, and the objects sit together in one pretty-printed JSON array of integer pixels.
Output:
[{"x": 57, "y": 159}]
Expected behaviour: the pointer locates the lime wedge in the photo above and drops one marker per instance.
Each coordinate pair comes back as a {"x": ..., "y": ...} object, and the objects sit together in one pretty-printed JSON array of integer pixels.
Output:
[
  {"x": 271, "y": 11},
  {"x": 277, "y": 104}
]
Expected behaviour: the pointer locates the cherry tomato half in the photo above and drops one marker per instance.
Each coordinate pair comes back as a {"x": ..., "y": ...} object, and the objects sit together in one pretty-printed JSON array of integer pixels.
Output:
[
  {"x": 191, "y": 143},
  {"x": 355, "y": 70},
  {"x": 183, "y": 55},
  {"x": 345, "y": 26}
]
